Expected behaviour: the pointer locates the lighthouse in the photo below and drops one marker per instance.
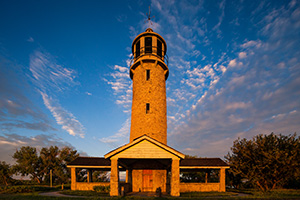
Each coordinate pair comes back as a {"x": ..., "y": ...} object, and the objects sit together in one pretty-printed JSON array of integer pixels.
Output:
[
  {"x": 151, "y": 165},
  {"x": 149, "y": 73}
]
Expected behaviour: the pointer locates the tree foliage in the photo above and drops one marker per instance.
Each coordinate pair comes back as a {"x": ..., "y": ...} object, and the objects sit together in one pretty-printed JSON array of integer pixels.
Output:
[
  {"x": 5, "y": 173},
  {"x": 100, "y": 176},
  {"x": 38, "y": 165},
  {"x": 267, "y": 161},
  {"x": 28, "y": 163}
]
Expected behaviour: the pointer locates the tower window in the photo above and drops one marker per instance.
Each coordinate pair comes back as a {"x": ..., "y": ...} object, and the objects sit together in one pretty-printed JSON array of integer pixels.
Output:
[
  {"x": 147, "y": 74},
  {"x": 148, "y": 45},
  {"x": 138, "y": 49},
  {"x": 159, "y": 48},
  {"x": 147, "y": 108}
]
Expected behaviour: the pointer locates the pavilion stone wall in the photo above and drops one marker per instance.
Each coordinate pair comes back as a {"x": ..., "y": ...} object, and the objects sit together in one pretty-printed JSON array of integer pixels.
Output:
[
  {"x": 88, "y": 186},
  {"x": 200, "y": 187}
]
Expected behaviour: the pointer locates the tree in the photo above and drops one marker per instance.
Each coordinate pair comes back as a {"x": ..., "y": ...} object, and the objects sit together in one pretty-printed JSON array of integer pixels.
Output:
[
  {"x": 56, "y": 160},
  {"x": 267, "y": 161},
  {"x": 39, "y": 166},
  {"x": 5, "y": 173},
  {"x": 66, "y": 155},
  {"x": 50, "y": 161},
  {"x": 28, "y": 163},
  {"x": 100, "y": 176}
]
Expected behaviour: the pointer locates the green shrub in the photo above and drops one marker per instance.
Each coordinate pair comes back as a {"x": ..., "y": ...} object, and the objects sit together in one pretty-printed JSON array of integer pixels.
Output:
[
  {"x": 24, "y": 189},
  {"x": 102, "y": 189}
]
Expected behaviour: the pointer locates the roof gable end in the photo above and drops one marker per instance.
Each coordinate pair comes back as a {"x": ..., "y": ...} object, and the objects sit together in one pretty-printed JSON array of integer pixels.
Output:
[{"x": 144, "y": 147}]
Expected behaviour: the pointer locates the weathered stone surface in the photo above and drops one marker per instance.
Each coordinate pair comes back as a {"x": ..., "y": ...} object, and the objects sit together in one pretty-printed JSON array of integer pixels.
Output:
[
  {"x": 114, "y": 178},
  {"x": 153, "y": 92},
  {"x": 199, "y": 187},
  {"x": 222, "y": 180},
  {"x": 137, "y": 178},
  {"x": 175, "y": 180},
  {"x": 73, "y": 178},
  {"x": 159, "y": 180},
  {"x": 88, "y": 186}
]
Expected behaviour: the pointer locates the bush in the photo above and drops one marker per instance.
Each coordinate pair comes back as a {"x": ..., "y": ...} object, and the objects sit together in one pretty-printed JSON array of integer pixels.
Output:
[
  {"x": 24, "y": 189},
  {"x": 102, "y": 189}
]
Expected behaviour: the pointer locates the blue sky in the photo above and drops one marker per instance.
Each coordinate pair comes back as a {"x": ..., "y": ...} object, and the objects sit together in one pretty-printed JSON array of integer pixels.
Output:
[{"x": 234, "y": 72}]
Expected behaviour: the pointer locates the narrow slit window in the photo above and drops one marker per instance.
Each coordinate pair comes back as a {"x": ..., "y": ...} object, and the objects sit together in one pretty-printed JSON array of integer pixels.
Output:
[
  {"x": 137, "y": 49},
  {"x": 159, "y": 48},
  {"x": 147, "y": 108},
  {"x": 148, "y": 45},
  {"x": 147, "y": 74}
]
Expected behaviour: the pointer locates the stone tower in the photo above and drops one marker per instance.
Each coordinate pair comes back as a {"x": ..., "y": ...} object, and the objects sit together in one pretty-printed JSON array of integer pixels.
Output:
[{"x": 149, "y": 73}]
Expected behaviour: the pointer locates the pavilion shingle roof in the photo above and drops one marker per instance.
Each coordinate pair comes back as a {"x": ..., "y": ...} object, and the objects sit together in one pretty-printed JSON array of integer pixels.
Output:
[
  {"x": 202, "y": 162},
  {"x": 90, "y": 161},
  {"x": 188, "y": 162}
]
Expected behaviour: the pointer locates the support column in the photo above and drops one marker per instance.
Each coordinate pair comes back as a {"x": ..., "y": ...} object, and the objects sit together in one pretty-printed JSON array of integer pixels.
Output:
[
  {"x": 73, "y": 178},
  {"x": 129, "y": 178},
  {"x": 89, "y": 175},
  {"x": 222, "y": 180},
  {"x": 175, "y": 180},
  {"x": 114, "y": 178}
]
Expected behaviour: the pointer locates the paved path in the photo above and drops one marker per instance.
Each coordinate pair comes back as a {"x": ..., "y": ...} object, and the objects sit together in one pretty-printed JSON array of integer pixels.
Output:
[{"x": 57, "y": 194}]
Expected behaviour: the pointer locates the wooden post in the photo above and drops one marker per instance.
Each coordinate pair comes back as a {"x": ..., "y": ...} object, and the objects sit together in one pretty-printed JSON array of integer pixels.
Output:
[
  {"x": 114, "y": 178},
  {"x": 50, "y": 177},
  {"x": 129, "y": 178},
  {"x": 89, "y": 175},
  {"x": 175, "y": 180}
]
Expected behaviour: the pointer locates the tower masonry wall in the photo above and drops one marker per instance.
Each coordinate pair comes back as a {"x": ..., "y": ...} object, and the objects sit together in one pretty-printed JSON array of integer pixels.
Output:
[{"x": 153, "y": 92}]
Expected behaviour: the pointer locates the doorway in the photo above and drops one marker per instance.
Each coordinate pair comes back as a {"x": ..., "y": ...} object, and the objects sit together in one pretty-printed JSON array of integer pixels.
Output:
[{"x": 147, "y": 180}]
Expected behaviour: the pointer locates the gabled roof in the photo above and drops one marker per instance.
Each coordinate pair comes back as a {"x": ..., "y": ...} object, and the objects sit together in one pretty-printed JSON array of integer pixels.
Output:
[
  {"x": 139, "y": 140},
  {"x": 202, "y": 163},
  {"x": 188, "y": 163},
  {"x": 90, "y": 162}
]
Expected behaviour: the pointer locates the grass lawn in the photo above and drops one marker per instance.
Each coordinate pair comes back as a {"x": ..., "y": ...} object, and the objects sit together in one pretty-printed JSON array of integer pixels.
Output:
[
  {"x": 208, "y": 194},
  {"x": 33, "y": 196},
  {"x": 252, "y": 194},
  {"x": 84, "y": 193},
  {"x": 274, "y": 194}
]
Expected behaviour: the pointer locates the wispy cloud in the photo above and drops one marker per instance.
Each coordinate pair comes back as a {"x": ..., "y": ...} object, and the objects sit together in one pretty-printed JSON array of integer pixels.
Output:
[
  {"x": 50, "y": 78},
  {"x": 30, "y": 39},
  {"x": 120, "y": 138},
  {"x": 258, "y": 94},
  {"x": 66, "y": 119},
  {"x": 9, "y": 143},
  {"x": 221, "y": 17},
  {"x": 38, "y": 126},
  {"x": 17, "y": 111},
  {"x": 121, "y": 85},
  {"x": 48, "y": 74}
]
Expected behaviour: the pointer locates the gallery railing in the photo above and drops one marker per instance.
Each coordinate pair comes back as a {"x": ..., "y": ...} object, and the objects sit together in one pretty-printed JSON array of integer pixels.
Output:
[{"x": 144, "y": 51}]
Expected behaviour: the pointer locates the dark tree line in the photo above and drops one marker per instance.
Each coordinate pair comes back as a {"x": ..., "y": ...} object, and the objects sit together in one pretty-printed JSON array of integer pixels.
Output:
[
  {"x": 267, "y": 161},
  {"x": 37, "y": 165}
]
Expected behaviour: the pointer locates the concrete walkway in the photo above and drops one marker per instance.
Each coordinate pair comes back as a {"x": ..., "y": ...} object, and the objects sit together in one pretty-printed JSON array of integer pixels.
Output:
[{"x": 57, "y": 194}]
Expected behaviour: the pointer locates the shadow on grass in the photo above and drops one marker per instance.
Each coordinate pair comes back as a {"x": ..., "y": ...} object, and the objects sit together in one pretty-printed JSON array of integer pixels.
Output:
[{"x": 252, "y": 194}]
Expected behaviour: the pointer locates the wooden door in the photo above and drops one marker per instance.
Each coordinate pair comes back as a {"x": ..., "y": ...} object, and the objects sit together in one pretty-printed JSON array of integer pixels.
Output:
[{"x": 147, "y": 180}]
